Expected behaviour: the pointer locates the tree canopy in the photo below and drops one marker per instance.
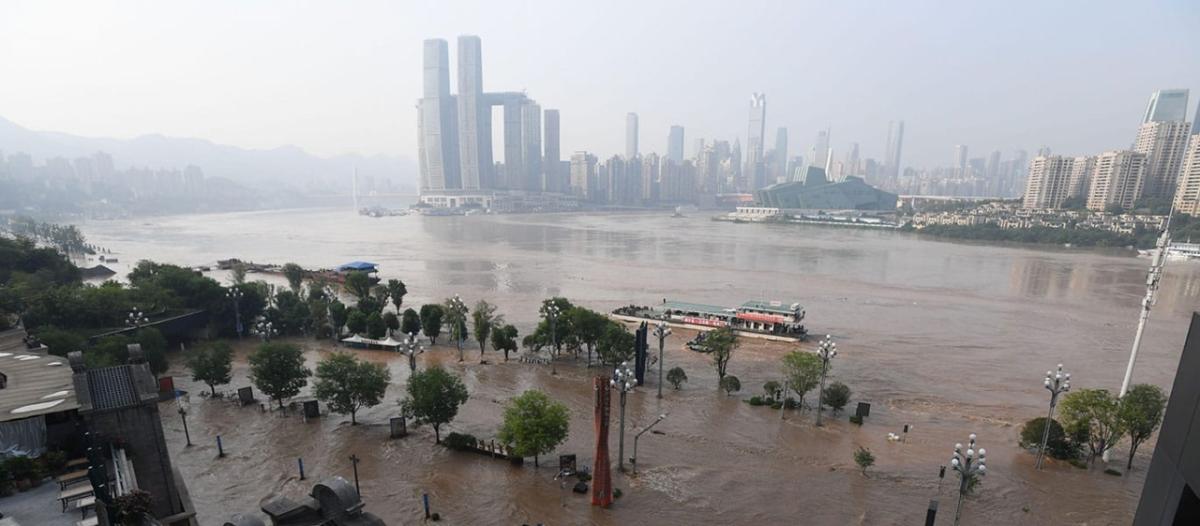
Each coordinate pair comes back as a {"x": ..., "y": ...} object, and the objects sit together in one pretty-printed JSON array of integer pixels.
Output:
[
  {"x": 410, "y": 322},
  {"x": 802, "y": 371},
  {"x": 212, "y": 364},
  {"x": 720, "y": 345},
  {"x": 278, "y": 370},
  {"x": 504, "y": 339},
  {"x": 434, "y": 397},
  {"x": 615, "y": 345},
  {"x": 1094, "y": 413},
  {"x": 534, "y": 424},
  {"x": 396, "y": 290},
  {"x": 431, "y": 321},
  {"x": 347, "y": 384},
  {"x": 1140, "y": 414},
  {"x": 485, "y": 320}
]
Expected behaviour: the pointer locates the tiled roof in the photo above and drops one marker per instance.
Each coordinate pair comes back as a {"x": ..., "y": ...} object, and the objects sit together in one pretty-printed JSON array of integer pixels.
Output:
[{"x": 112, "y": 387}]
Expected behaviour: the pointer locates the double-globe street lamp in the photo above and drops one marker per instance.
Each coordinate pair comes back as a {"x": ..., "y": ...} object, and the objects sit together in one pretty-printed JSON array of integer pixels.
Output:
[
  {"x": 968, "y": 465},
  {"x": 235, "y": 295},
  {"x": 624, "y": 380},
  {"x": 826, "y": 350},
  {"x": 412, "y": 348},
  {"x": 661, "y": 331},
  {"x": 460, "y": 322},
  {"x": 551, "y": 311},
  {"x": 1057, "y": 382}
]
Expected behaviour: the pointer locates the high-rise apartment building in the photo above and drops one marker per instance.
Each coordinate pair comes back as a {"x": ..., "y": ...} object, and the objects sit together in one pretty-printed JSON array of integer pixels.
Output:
[
  {"x": 531, "y": 147},
  {"x": 437, "y": 121},
  {"x": 778, "y": 171},
  {"x": 583, "y": 175},
  {"x": 631, "y": 135},
  {"x": 675, "y": 144},
  {"x": 555, "y": 179},
  {"x": 820, "y": 154},
  {"x": 475, "y": 146},
  {"x": 1167, "y": 105},
  {"x": 960, "y": 159},
  {"x": 755, "y": 171},
  {"x": 895, "y": 143},
  {"x": 1163, "y": 142},
  {"x": 1081, "y": 176},
  {"x": 1187, "y": 194},
  {"x": 1117, "y": 179},
  {"x": 1049, "y": 182}
]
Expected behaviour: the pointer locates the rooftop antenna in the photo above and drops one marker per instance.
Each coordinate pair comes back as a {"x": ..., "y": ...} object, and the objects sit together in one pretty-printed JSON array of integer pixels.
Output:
[{"x": 1157, "y": 261}]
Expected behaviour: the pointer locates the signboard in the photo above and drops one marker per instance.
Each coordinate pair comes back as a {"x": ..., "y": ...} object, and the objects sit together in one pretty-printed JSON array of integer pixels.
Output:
[{"x": 704, "y": 321}]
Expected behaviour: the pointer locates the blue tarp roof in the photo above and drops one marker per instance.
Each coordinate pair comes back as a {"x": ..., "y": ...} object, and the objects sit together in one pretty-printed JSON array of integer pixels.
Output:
[{"x": 357, "y": 265}]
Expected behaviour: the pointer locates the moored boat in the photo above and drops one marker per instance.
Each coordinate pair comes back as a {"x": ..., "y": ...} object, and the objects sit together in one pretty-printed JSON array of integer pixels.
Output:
[{"x": 774, "y": 320}]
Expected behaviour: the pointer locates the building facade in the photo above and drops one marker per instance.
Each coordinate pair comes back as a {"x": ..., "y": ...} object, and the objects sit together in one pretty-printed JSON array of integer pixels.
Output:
[
  {"x": 675, "y": 144},
  {"x": 1049, "y": 182},
  {"x": 755, "y": 170},
  {"x": 1163, "y": 143},
  {"x": 1187, "y": 194},
  {"x": 1167, "y": 105},
  {"x": 1117, "y": 179},
  {"x": 631, "y": 135}
]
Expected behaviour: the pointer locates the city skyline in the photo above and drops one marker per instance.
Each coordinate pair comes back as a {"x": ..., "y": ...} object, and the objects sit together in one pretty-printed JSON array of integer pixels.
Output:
[{"x": 356, "y": 101}]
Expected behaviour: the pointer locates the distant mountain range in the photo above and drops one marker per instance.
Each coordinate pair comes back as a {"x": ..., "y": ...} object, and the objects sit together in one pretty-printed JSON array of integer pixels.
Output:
[{"x": 287, "y": 166}]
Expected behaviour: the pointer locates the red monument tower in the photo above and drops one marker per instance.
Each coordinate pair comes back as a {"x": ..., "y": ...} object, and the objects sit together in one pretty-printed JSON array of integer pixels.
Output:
[{"x": 601, "y": 471}]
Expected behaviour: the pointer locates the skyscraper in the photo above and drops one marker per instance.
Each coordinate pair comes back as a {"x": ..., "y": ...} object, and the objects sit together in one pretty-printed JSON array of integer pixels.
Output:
[
  {"x": 583, "y": 175},
  {"x": 1117, "y": 179},
  {"x": 631, "y": 135},
  {"x": 531, "y": 147},
  {"x": 778, "y": 171},
  {"x": 675, "y": 144},
  {"x": 895, "y": 143},
  {"x": 960, "y": 159},
  {"x": 1187, "y": 196},
  {"x": 1167, "y": 105},
  {"x": 754, "y": 171},
  {"x": 437, "y": 122},
  {"x": 819, "y": 156},
  {"x": 1163, "y": 142},
  {"x": 555, "y": 179},
  {"x": 474, "y": 141}
]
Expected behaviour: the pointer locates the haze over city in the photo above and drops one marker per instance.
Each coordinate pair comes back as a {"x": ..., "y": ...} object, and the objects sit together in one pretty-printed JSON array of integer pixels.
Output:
[{"x": 1073, "y": 76}]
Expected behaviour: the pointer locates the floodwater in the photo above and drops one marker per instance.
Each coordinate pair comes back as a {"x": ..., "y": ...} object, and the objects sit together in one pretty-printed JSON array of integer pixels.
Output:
[{"x": 952, "y": 338}]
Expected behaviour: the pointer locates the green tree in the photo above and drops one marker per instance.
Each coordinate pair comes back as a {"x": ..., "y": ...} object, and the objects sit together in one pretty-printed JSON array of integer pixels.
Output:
[
  {"x": 864, "y": 458},
  {"x": 542, "y": 335},
  {"x": 1058, "y": 445},
  {"x": 338, "y": 316},
  {"x": 455, "y": 318},
  {"x": 431, "y": 321},
  {"x": 676, "y": 376},
  {"x": 772, "y": 389},
  {"x": 376, "y": 328},
  {"x": 347, "y": 384},
  {"x": 720, "y": 345},
  {"x": 356, "y": 322},
  {"x": 291, "y": 314},
  {"x": 391, "y": 321},
  {"x": 295, "y": 276},
  {"x": 836, "y": 396},
  {"x": 616, "y": 344},
  {"x": 238, "y": 273},
  {"x": 212, "y": 364},
  {"x": 504, "y": 339},
  {"x": 731, "y": 384},
  {"x": 396, "y": 290},
  {"x": 802, "y": 371},
  {"x": 410, "y": 322},
  {"x": 434, "y": 397},
  {"x": 59, "y": 341},
  {"x": 1141, "y": 413},
  {"x": 358, "y": 284},
  {"x": 589, "y": 327},
  {"x": 485, "y": 319},
  {"x": 278, "y": 370},
  {"x": 1096, "y": 414},
  {"x": 534, "y": 424}
]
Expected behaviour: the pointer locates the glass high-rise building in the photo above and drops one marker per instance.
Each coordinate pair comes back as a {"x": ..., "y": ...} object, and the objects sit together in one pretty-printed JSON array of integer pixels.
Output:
[
  {"x": 631, "y": 135},
  {"x": 1167, "y": 105},
  {"x": 675, "y": 144},
  {"x": 754, "y": 172}
]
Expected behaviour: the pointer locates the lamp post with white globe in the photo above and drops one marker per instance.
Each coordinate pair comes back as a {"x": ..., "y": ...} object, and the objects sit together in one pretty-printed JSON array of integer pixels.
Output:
[
  {"x": 661, "y": 331},
  {"x": 825, "y": 351},
  {"x": 968, "y": 465},
  {"x": 622, "y": 379},
  {"x": 1057, "y": 382}
]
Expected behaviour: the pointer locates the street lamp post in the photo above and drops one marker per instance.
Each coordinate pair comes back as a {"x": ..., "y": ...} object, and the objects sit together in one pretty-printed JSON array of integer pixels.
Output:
[
  {"x": 182, "y": 404},
  {"x": 968, "y": 466},
  {"x": 235, "y": 294},
  {"x": 661, "y": 331},
  {"x": 460, "y": 322},
  {"x": 826, "y": 351},
  {"x": 1057, "y": 382},
  {"x": 551, "y": 311},
  {"x": 623, "y": 379},
  {"x": 412, "y": 348},
  {"x": 136, "y": 318},
  {"x": 639, "y": 435},
  {"x": 265, "y": 329},
  {"x": 354, "y": 460}
]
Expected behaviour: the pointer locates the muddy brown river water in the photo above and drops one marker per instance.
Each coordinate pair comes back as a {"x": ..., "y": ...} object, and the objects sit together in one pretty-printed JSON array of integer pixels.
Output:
[{"x": 952, "y": 338}]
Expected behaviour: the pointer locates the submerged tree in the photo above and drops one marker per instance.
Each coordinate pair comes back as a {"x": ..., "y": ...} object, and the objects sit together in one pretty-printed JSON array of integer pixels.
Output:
[
  {"x": 1094, "y": 413},
  {"x": 803, "y": 372},
  {"x": 534, "y": 424},
  {"x": 211, "y": 364},
  {"x": 504, "y": 339},
  {"x": 295, "y": 276},
  {"x": 434, "y": 397},
  {"x": 396, "y": 290},
  {"x": 431, "y": 321},
  {"x": 486, "y": 320},
  {"x": 1141, "y": 413},
  {"x": 347, "y": 384},
  {"x": 864, "y": 458},
  {"x": 410, "y": 322},
  {"x": 720, "y": 345},
  {"x": 676, "y": 376},
  {"x": 278, "y": 370}
]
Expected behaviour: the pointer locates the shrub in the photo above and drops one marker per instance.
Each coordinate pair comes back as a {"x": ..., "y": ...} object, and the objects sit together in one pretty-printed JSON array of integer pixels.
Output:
[
  {"x": 23, "y": 468},
  {"x": 460, "y": 441},
  {"x": 791, "y": 403},
  {"x": 731, "y": 384},
  {"x": 1059, "y": 445},
  {"x": 616, "y": 493},
  {"x": 132, "y": 507},
  {"x": 836, "y": 396},
  {"x": 676, "y": 377},
  {"x": 53, "y": 462},
  {"x": 1111, "y": 471},
  {"x": 756, "y": 400},
  {"x": 855, "y": 419}
]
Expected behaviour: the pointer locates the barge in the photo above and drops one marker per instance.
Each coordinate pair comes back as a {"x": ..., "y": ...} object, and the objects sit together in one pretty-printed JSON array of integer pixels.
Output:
[{"x": 771, "y": 320}]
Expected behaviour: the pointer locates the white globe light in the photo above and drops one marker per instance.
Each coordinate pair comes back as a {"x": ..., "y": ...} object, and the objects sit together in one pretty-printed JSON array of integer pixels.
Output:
[
  {"x": 982, "y": 452},
  {"x": 958, "y": 446},
  {"x": 954, "y": 461},
  {"x": 972, "y": 437}
]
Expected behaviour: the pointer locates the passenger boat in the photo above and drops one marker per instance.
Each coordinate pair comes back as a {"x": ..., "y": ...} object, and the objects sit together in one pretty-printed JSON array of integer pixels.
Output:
[
  {"x": 1177, "y": 251},
  {"x": 773, "y": 320}
]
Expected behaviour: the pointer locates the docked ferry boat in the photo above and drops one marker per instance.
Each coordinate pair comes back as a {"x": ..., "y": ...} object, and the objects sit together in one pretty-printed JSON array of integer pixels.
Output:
[{"x": 775, "y": 320}]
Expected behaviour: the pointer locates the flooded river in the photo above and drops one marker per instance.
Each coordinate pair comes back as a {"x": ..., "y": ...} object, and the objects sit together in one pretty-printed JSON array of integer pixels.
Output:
[{"x": 951, "y": 338}]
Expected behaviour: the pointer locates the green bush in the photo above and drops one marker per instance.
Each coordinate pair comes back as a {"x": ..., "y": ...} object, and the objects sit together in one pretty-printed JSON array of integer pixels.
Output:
[
  {"x": 460, "y": 441},
  {"x": 1059, "y": 445},
  {"x": 23, "y": 468},
  {"x": 776, "y": 405},
  {"x": 791, "y": 403},
  {"x": 1111, "y": 471},
  {"x": 855, "y": 419},
  {"x": 53, "y": 462},
  {"x": 756, "y": 400}
]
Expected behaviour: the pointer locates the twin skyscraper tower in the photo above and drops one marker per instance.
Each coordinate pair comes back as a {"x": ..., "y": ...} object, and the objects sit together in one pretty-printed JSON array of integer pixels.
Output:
[{"x": 455, "y": 130}]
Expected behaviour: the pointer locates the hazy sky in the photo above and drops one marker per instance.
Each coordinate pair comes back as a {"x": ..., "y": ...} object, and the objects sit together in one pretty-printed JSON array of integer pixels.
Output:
[{"x": 339, "y": 77}]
